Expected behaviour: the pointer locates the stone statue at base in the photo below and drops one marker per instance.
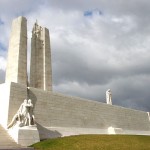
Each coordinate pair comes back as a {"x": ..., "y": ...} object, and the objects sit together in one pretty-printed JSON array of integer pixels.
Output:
[
  {"x": 30, "y": 115},
  {"x": 24, "y": 116},
  {"x": 109, "y": 97}
]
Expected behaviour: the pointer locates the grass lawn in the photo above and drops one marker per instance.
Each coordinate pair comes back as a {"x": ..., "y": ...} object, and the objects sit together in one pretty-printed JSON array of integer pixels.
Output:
[{"x": 96, "y": 142}]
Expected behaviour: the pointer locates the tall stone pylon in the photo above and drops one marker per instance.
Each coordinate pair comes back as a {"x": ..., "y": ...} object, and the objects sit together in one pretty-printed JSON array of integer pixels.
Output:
[
  {"x": 40, "y": 64},
  {"x": 16, "y": 70}
]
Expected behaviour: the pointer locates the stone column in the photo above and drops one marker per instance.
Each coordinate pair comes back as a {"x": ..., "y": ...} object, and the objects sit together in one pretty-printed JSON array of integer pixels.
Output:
[
  {"x": 40, "y": 67},
  {"x": 16, "y": 70},
  {"x": 47, "y": 61}
]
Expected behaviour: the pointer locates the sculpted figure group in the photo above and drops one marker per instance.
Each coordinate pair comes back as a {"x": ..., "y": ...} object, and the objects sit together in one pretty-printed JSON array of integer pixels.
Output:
[{"x": 24, "y": 115}]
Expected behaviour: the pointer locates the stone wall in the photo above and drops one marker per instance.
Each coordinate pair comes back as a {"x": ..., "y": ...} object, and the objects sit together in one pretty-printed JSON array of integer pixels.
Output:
[
  {"x": 4, "y": 103},
  {"x": 18, "y": 93},
  {"x": 57, "y": 110},
  {"x": 12, "y": 96}
]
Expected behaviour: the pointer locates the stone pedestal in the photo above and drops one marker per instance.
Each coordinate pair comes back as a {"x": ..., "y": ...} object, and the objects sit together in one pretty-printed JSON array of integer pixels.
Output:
[
  {"x": 24, "y": 136},
  {"x": 112, "y": 130}
]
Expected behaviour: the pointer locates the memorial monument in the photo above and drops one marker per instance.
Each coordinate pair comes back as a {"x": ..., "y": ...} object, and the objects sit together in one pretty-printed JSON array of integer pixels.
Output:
[{"x": 32, "y": 111}]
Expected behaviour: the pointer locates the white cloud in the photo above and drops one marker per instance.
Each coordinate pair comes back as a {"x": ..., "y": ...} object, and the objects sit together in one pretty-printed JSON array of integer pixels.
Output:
[{"x": 2, "y": 63}]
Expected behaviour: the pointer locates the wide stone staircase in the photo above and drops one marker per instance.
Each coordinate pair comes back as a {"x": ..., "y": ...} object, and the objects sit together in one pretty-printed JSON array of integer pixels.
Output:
[{"x": 7, "y": 143}]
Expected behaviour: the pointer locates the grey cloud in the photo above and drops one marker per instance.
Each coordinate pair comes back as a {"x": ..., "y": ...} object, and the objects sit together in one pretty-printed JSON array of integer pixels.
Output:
[
  {"x": 120, "y": 6},
  {"x": 71, "y": 63},
  {"x": 17, "y": 7},
  {"x": 133, "y": 92}
]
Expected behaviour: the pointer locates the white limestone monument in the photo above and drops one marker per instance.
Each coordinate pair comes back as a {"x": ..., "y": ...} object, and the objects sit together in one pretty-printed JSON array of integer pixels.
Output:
[{"x": 30, "y": 111}]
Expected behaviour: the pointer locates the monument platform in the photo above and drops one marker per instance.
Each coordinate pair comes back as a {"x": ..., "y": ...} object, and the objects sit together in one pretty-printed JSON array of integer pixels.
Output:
[{"x": 59, "y": 115}]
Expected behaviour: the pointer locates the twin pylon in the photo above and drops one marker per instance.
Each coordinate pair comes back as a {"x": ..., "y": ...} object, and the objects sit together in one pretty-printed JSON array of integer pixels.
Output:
[{"x": 40, "y": 63}]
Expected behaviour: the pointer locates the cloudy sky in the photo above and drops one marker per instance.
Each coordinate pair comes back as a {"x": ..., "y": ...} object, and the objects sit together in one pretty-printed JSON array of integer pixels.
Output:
[{"x": 96, "y": 45}]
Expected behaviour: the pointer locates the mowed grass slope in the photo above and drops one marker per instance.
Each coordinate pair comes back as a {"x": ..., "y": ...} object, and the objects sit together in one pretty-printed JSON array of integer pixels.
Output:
[{"x": 96, "y": 142}]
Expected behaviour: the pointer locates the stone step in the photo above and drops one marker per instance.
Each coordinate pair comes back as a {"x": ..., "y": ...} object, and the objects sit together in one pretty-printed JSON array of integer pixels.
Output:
[{"x": 7, "y": 143}]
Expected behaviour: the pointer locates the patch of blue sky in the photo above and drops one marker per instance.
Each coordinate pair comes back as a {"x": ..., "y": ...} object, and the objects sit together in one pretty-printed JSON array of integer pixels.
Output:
[
  {"x": 92, "y": 12},
  {"x": 2, "y": 47},
  {"x": 1, "y": 22},
  {"x": 88, "y": 13}
]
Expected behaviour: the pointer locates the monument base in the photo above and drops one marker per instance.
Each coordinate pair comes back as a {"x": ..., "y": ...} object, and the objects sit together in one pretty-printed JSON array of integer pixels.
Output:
[
  {"x": 112, "y": 130},
  {"x": 25, "y": 136},
  {"x": 54, "y": 132}
]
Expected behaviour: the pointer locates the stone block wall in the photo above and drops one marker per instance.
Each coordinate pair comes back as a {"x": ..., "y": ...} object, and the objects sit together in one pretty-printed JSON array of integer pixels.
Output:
[
  {"x": 57, "y": 110},
  {"x": 4, "y": 103},
  {"x": 12, "y": 96},
  {"x": 18, "y": 93}
]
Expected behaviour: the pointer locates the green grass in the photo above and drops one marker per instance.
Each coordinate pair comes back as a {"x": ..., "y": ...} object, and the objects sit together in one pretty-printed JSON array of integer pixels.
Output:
[{"x": 96, "y": 142}]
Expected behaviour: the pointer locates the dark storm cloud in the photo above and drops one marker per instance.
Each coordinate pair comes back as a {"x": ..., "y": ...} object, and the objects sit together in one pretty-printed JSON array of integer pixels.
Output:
[{"x": 132, "y": 91}]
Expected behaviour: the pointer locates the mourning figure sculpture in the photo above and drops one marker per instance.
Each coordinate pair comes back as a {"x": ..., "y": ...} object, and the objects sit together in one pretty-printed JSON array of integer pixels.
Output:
[
  {"x": 109, "y": 97},
  {"x": 24, "y": 116}
]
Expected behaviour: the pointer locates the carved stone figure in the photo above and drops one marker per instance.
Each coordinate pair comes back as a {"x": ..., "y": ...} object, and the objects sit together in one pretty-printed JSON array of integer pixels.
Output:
[
  {"x": 109, "y": 97},
  {"x": 148, "y": 115},
  {"x": 24, "y": 116},
  {"x": 30, "y": 115}
]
